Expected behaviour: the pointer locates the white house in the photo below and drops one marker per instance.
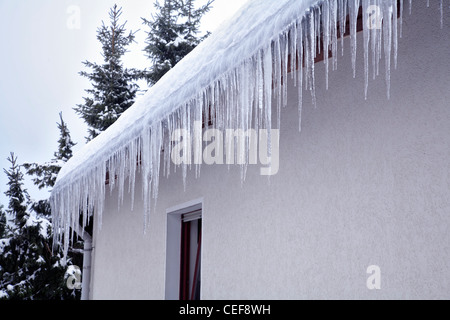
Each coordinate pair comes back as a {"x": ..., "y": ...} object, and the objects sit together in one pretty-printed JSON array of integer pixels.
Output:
[{"x": 355, "y": 205}]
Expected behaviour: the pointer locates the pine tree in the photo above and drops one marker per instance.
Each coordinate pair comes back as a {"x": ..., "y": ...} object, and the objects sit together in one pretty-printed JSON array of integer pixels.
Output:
[
  {"x": 114, "y": 87},
  {"x": 18, "y": 196},
  {"x": 45, "y": 177},
  {"x": 192, "y": 20},
  {"x": 28, "y": 267},
  {"x": 174, "y": 32},
  {"x": 46, "y": 174}
]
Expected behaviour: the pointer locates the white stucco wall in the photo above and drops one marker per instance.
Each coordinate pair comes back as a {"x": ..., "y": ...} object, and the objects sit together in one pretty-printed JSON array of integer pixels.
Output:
[{"x": 364, "y": 183}]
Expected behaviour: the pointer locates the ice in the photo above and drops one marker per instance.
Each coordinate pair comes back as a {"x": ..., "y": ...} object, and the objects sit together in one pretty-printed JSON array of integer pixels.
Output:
[
  {"x": 300, "y": 51},
  {"x": 353, "y": 6},
  {"x": 394, "y": 26},
  {"x": 342, "y": 4},
  {"x": 366, "y": 37},
  {"x": 310, "y": 54},
  {"x": 401, "y": 18},
  {"x": 326, "y": 29},
  {"x": 334, "y": 32},
  {"x": 231, "y": 79},
  {"x": 387, "y": 33}
]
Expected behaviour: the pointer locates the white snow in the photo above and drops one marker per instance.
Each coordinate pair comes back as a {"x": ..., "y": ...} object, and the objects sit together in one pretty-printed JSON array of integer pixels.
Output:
[
  {"x": 3, "y": 294},
  {"x": 34, "y": 220},
  {"x": 40, "y": 260},
  {"x": 229, "y": 75},
  {"x": 4, "y": 243}
]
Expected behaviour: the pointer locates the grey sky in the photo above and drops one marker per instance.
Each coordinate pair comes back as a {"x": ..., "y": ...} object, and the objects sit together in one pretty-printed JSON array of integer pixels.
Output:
[{"x": 41, "y": 54}]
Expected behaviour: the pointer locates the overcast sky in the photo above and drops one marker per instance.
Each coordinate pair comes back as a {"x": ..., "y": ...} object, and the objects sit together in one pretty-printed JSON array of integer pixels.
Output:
[{"x": 43, "y": 44}]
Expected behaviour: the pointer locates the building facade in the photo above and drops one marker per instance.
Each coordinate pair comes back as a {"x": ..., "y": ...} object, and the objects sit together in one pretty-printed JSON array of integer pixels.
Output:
[{"x": 359, "y": 207}]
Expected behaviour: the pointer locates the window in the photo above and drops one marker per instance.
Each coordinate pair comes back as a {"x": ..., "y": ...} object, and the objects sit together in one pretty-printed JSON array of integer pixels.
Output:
[
  {"x": 191, "y": 239},
  {"x": 183, "y": 251}
]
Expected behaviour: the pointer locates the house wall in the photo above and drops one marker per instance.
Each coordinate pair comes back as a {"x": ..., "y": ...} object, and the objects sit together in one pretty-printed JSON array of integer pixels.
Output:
[{"x": 366, "y": 182}]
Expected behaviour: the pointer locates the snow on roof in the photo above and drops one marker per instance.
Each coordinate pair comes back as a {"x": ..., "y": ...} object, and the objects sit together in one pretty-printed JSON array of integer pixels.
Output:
[
  {"x": 240, "y": 38},
  {"x": 233, "y": 74}
]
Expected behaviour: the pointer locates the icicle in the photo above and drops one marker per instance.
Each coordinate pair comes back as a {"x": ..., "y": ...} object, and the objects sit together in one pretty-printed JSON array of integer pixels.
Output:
[
  {"x": 277, "y": 81},
  {"x": 278, "y": 77},
  {"x": 133, "y": 158},
  {"x": 260, "y": 86},
  {"x": 146, "y": 163},
  {"x": 185, "y": 119},
  {"x": 267, "y": 60},
  {"x": 101, "y": 196},
  {"x": 300, "y": 75},
  {"x": 342, "y": 21},
  {"x": 243, "y": 111},
  {"x": 378, "y": 32},
  {"x": 310, "y": 54},
  {"x": 353, "y": 6},
  {"x": 374, "y": 49},
  {"x": 285, "y": 75},
  {"x": 156, "y": 139},
  {"x": 121, "y": 177},
  {"x": 395, "y": 32},
  {"x": 292, "y": 35},
  {"x": 317, "y": 14},
  {"x": 326, "y": 38},
  {"x": 401, "y": 18},
  {"x": 197, "y": 137},
  {"x": 168, "y": 145},
  {"x": 366, "y": 37},
  {"x": 334, "y": 38},
  {"x": 387, "y": 30}
]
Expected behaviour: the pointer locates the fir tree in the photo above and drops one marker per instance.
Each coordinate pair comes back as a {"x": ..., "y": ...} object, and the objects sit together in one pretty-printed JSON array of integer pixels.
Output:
[
  {"x": 28, "y": 267},
  {"x": 114, "y": 87},
  {"x": 46, "y": 174},
  {"x": 45, "y": 177},
  {"x": 18, "y": 196},
  {"x": 174, "y": 32}
]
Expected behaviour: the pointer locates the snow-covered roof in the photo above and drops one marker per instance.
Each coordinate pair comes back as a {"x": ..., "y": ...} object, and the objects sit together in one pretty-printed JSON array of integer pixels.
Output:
[
  {"x": 251, "y": 29},
  {"x": 234, "y": 74}
]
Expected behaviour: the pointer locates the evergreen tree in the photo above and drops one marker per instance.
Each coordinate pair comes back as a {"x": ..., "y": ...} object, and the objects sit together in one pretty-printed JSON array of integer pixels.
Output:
[
  {"x": 114, "y": 87},
  {"x": 18, "y": 196},
  {"x": 28, "y": 267},
  {"x": 46, "y": 174},
  {"x": 45, "y": 177},
  {"x": 174, "y": 32}
]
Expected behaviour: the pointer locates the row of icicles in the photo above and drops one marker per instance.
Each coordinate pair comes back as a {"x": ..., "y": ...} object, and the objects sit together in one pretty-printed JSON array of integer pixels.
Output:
[{"x": 239, "y": 99}]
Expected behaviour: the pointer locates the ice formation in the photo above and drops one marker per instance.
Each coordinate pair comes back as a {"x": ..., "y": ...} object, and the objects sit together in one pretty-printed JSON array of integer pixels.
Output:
[{"x": 231, "y": 79}]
